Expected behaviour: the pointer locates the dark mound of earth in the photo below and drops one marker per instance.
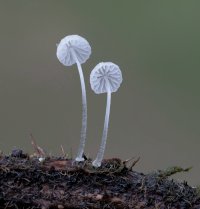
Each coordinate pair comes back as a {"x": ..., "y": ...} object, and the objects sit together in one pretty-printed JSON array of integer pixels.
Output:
[{"x": 32, "y": 182}]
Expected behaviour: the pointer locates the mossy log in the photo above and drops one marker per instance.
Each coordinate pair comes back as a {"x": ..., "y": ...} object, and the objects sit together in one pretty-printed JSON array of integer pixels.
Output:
[{"x": 26, "y": 182}]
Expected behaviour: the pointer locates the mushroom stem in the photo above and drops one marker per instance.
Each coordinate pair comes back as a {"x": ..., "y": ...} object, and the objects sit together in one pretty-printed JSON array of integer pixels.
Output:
[
  {"x": 79, "y": 156},
  {"x": 100, "y": 154}
]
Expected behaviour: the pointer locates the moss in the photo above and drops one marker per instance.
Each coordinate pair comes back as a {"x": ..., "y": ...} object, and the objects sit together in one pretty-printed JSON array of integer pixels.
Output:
[{"x": 172, "y": 170}]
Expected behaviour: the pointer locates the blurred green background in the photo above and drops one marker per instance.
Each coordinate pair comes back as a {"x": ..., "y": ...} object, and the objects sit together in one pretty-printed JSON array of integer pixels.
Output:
[{"x": 156, "y": 112}]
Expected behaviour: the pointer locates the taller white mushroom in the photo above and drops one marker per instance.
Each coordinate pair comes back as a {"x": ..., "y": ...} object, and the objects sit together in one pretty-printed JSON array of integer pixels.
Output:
[
  {"x": 106, "y": 77},
  {"x": 74, "y": 49}
]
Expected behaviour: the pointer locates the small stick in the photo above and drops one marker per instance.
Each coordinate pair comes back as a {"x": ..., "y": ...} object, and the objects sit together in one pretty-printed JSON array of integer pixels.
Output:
[
  {"x": 134, "y": 163},
  {"x": 62, "y": 151},
  {"x": 39, "y": 151},
  {"x": 128, "y": 160}
]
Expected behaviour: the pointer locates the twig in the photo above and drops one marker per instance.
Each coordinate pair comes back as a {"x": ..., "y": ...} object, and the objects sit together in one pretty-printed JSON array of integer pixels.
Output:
[{"x": 39, "y": 151}]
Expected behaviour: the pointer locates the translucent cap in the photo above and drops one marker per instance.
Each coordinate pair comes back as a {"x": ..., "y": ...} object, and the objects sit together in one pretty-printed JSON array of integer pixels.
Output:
[
  {"x": 73, "y": 44},
  {"x": 105, "y": 73}
]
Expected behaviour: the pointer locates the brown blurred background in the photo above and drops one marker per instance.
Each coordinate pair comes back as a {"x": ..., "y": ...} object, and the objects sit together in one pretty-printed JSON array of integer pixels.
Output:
[{"x": 156, "y": 112}]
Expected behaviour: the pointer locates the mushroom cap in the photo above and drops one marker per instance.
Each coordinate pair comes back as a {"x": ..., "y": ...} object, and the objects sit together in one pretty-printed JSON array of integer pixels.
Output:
[
  {"x": 80, "y": 46},
  {"x": 105, "y": 73}
]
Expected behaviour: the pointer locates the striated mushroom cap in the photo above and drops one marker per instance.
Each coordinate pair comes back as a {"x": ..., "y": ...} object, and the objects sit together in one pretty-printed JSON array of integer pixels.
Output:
[
  {"x": 80, "y": 46},
  {"x": 105, "y": 73}
]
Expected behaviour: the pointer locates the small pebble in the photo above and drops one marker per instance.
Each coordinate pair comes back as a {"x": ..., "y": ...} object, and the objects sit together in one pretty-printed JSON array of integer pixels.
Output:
[
  {"x": 41, "y": 159},
  {"x": 17, "y": 153}
]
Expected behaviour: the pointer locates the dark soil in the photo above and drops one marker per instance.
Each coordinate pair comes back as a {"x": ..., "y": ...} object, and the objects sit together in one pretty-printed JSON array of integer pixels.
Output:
[{"x": 25, "y": 182}]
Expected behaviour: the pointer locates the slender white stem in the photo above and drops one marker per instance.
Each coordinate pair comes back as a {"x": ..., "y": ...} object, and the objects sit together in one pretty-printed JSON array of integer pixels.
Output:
[
  {"x": 100, "y": 154},
  {"x": 79, "y": 156}
]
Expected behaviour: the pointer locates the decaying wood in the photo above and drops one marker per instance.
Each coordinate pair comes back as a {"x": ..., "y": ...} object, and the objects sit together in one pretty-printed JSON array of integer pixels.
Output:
[{"x": 25, "y": 182}]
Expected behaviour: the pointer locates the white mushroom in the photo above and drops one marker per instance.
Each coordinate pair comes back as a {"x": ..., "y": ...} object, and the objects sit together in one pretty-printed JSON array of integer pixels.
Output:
[
  {"x": 74, "y": 49},
  {"x": 106, "y": 77}
]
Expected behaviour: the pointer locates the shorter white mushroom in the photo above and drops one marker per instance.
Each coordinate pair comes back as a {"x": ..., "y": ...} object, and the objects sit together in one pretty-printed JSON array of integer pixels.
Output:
[
  {"x": 106, "y": 77},
  {"x": 74, "y": 49}
]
